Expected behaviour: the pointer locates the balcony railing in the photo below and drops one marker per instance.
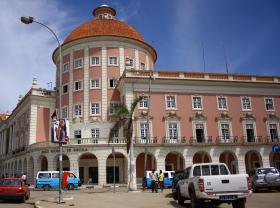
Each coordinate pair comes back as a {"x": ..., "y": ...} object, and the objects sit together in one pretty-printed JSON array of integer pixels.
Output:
[
  {"x": 202, "y": 140},
  {"x": 174, "y": 140},
  {"x": 115, "y": 140},
  {"x": 152, "y": 140},
  {"x": 227, "y": 139}
]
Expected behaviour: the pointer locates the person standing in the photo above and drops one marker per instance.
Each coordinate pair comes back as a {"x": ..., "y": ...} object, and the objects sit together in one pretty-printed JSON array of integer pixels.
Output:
[
  {"x": 153, "y": 177},
  {"x": 23, "y": 177},
  {"x": 161, "y": 180}
]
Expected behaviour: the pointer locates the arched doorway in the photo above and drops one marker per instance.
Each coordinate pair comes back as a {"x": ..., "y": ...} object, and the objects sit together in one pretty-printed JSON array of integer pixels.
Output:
[
  {"x": 88, "y": 168},
  {"x": 274, "y": 159},
  {"x": 252, "y": 160},
  {"x": 174, "y": 161},
  {"x": 230, "y": 160},
  {"x": 140, "y": 160},
  {"x": 65, "y": 163},
  {"x": 30, "y": 172},
  {"x": 120, "y": 168},
  {"x": 201, "y": 157},
  {"x": 42, "y": 163}
]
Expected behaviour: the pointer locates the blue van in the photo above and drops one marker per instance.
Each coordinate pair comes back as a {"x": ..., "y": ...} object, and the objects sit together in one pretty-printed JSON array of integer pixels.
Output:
[
  {"x": 50, "y": 179},
  {"x": 168, "y": 178}
]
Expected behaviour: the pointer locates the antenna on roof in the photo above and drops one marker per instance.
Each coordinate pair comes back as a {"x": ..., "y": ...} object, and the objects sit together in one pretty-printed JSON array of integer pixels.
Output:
[
  {"x": 203, "y": 56},
  {"x": 225, "y": 56}
]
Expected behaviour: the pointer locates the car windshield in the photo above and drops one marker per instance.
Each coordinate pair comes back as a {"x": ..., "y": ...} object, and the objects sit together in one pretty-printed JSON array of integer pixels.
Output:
[
  {"x": 267, "y": 170},
  {"x": 7, "y": 182}
]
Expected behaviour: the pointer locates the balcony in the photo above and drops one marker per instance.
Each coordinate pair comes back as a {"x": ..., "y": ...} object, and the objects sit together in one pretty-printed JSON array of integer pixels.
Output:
[
  {"x": 201, "y": 140},
  {"x": 85, "y": 141},
  {"x": 152, "y": 140}
]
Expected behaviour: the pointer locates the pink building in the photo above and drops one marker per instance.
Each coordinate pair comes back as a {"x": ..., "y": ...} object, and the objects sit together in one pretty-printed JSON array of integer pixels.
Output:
[{"x": 193, "y": 117}]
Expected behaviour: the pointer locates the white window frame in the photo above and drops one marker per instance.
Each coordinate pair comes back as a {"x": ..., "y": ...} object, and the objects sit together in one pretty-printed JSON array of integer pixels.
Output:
[
  {"x": 142, "y": 120},
  {"x": 94, "y": 64},
  {"x": 96, "y": 132},
  {"x": 169, "y": 121},
  {"x": 109, "y": 64},
  {"x": 62, "y": 113},
  {"x": 242, "y": 106},
  {"x": 142, "y": 102},
  {"x": 266, "y": 98},
  {"x": 74, "y": 63},
  {"x": 90, "y": 83},
  {"x": 268, "y": 123},
  {"x": 204, "y": 128},
  {"x": 112, "y": 78},
  {"x": 63, "y": 93},
  {"x": 244, "y": 123},
  {"x": 128, "y": 59},
  {"x": 112, "y": 102},
  {"x": 166, "y": 102},
  {"x": 77, "y": 130},
  {"x": 201, "y": 102},
  {"x": 64, "y": 66},
  {"x": 220, "y": 123},
  {"x": 74, "y": 110},
  {"x": 218, "y": 97},
  {"x": 95, "y": 102},
  {"x": 74, "y": 87}
]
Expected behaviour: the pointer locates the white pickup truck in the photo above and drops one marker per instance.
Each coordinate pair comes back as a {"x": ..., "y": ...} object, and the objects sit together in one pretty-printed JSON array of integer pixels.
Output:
[{"x": 213, "y": 184}]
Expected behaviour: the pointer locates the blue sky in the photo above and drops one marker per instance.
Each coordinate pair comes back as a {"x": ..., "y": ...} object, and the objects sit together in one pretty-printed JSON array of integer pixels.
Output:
[{"x": 248, "y": 30}]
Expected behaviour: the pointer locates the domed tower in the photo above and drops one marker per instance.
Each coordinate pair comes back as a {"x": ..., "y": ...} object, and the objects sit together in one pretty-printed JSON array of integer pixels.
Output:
[{"x": 94, "y": 56}]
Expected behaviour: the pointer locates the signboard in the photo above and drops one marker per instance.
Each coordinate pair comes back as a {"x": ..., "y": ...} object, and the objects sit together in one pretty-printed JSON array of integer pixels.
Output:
[
  {"x": 275, "y": 148},
  {"x": 60, "y": 131}
]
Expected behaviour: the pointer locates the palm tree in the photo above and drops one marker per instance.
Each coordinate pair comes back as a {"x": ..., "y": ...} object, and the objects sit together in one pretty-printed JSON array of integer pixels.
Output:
[{"x": 123, "y": 117}]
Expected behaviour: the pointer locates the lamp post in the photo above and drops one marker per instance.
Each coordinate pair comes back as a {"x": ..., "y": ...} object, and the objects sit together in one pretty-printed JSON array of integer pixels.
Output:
[{"x": 29, "y": 20}]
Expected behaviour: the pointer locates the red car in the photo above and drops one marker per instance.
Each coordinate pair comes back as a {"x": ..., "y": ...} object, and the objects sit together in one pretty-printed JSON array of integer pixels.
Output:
[{"x": 14, "y": 188}]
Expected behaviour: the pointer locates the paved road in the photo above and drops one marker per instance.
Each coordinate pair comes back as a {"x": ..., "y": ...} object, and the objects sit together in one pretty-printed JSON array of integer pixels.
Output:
[{"x": 121, "y": 199}]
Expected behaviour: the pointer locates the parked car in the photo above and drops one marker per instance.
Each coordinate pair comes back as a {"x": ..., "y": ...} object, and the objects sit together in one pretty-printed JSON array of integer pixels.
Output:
[
  {"x": 168, "y": 178},
  {"x": 14, "y": 188},
  {"x": 265, "y": 178},
  {"x": 50, "y": 179},
  {"x": 212, "y": 183},
  {"x": 178, "y": 175}
]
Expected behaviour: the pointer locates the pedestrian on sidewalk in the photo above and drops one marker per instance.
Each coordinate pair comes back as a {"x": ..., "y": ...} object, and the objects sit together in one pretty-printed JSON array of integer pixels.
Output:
[
  {"x": 161, "y": 180},
  {"x": 153, "y": 177}
]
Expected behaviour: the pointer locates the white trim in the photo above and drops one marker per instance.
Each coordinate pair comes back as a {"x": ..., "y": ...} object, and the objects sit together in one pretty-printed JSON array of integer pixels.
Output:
[
  {"x": 220, "y": 122},
  {"x": 194, "y": 122},
  {"x": 167, "y": 122},
  {"x": 63, "y": 107},
  {"x": 175, "y": 100},
  {"x": 64, "y": 64},
  {"x": 113, "y": 64},
  {"x": 201, "y": 98},
  {"x": 90, "y": 83},
  {"x": 74, "y": 82},
  {"x": 77, "y": 116},
  {"x": 109, "y": 78},
  {"x": 268, "y": 122},
  {"x": 249, "y": 121},
  {"x": 273, "y": 103},
  {"x": 144, "y": 120},
  {"x": 250, "y": 100},
  {"x": 77, "y": 59},
  {"x": 145, "y": 108},
  {"x": 217, "y": 99},
  {"x": 90, "y": 61},
  {"x": 90, "y": 110}
]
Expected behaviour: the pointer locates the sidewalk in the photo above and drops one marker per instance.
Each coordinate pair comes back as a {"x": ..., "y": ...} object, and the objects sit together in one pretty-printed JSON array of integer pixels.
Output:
[{"x": 105, "y": 197}]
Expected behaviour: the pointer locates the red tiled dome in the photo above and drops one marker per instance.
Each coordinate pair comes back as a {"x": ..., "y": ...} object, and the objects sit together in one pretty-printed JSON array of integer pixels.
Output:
[{"x": 101, "y": 27}]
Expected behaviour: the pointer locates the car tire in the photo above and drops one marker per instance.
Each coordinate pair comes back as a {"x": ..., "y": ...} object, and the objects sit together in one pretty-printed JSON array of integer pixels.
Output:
[
  {"x": 194, "y": 202},
  {"x": 180, "y": 198},
  {"x": 239, "y": 203},
  {"x": 174, "y": 195},
  {"x": 46, "y": 187}
]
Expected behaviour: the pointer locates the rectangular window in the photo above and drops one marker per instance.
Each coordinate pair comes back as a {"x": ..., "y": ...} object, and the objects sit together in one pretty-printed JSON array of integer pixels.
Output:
[
  {"x": 199, "y": 131},
  {"x": 113, "y": 83},
  {"x": 205, "y": 170},
  {"x": 64, "y": 112},
  {"x": 170, "y": 102},
  {"x": 246, "y": 103},
  {"x": 143, "y": 130},
  {"x": 66, "y": 67},
  {"x": 113, "y": 61},
  {"x": 273, "y": 133},
  {"x": 78, "y": 110},
  {"x": 172, "y": 131},
  {"x": 95, "y": 133},
  {"x": 197, "y": 102},
  {"x": 222, "y": 103},
  {"x": 129, "y": 61},
  {"x": 77, "y": 85},
  {"x": 94, "y": 84},
  {"x": 269, "y": 105},
  {"x": 142, "y": 66},
  {"x": 95, "y": 109},
  {"x": 95, "y": 61},
  {"x": 65, "y": 89},
  {"x": 78, "y": 63},
  {"x": 113, "y": 106},
  {"x": 77, "y": 134},
  {"x": 225, "y": 131},
  {"x": 144, "y": 102},
  {"x": 197, "y": 171},
  {"x": 250, "y": 133}
]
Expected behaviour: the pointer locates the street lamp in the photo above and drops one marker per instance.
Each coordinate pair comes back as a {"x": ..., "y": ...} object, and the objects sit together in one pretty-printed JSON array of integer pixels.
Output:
[{"x": 29, "y": 20}]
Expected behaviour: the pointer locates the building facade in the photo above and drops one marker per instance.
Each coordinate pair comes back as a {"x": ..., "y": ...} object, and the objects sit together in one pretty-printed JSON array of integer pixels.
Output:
[{"x": 193, "y": 117}]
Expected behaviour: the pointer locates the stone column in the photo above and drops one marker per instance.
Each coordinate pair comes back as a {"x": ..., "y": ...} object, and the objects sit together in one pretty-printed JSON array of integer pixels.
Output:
[
  {"x": 74, "y": 164},
  {"x": 102, "y": 171}
]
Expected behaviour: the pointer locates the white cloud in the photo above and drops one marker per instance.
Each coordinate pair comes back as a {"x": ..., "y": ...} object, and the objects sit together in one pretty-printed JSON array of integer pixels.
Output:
[
  {"x": 26, "y": 49},
  {"x": 124, "y": 13}
]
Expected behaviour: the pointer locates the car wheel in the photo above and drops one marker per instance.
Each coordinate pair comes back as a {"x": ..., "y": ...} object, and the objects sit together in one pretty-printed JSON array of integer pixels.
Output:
[
  {"x": 194, "y": 202},
  {"x": 71, "y": 186},
  {"x": 239, "y": 203},
  {"x": 174, "y": 195},
  {"x": 46, "y": 187},
  {"x": 180, "y": 198}
]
